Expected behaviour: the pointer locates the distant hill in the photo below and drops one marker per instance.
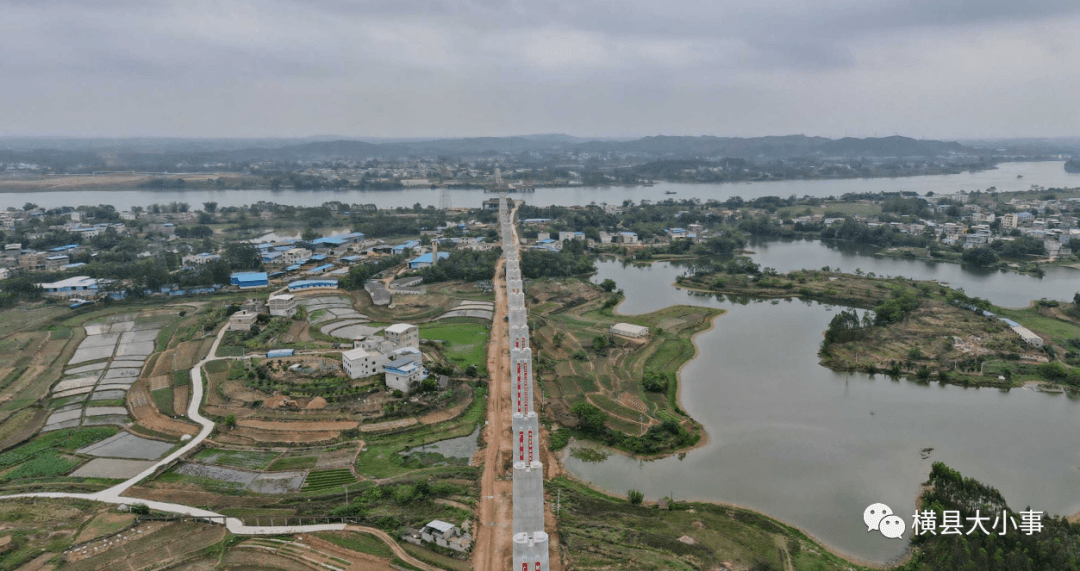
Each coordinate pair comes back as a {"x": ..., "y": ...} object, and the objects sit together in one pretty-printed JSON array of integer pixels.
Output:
[
  {"x": 889, "y": 147},
  {"x": 160, "y": 153},
  {"x": 774, "y": 147}
]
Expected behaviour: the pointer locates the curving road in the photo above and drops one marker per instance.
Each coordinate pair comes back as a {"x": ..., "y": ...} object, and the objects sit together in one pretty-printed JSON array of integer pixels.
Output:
[{"x": 114, "y": 495}]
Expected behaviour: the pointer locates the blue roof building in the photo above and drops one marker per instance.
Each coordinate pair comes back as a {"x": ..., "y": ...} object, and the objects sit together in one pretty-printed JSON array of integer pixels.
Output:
[
  {"x": 400, "y": 248},
  {"x": 426, "y": 260},
  {"x": 329, "y": 241},
  {"x": 300, "y": 285},
  {"x": 248, "y": 280},
  {"x": 320, "y": 269}
]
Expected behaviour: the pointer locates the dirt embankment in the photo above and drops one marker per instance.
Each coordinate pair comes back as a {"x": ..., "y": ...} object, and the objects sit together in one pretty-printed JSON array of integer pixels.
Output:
[{"x": 493, "y": 550}]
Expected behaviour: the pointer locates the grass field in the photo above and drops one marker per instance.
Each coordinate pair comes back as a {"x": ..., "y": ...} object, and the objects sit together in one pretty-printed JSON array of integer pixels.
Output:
[
  {"x": 359, "y": 542},
  {"x": 1041, "y": 321},
  {"x": 295, "y": 463},
  {"x": 163, "y": 399},
  {"x": 70, "y": 440},
  {"x": 437, "y": 559},
  {"x": 466, "y": 341},
  {"x": 607, "y": 532}
]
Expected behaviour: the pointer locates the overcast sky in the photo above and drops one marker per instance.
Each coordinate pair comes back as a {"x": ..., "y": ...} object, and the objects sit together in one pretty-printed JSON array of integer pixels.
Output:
[{"x": 404, "y": 68}]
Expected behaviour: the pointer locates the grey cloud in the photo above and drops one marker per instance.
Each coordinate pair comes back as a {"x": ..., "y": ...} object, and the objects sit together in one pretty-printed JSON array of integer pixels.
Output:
[{"x": 424, "y": 67}]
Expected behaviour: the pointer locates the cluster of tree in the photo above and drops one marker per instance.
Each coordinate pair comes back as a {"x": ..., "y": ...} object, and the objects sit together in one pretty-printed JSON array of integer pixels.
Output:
[
  {"x": 668, "y": 435},
  {"x": 19, "y": 288},
  {"x": 199, "y": 231},
  {"x": 883, "y": 236},
  {"x": 655, "y": 381},
  {"x": 846, "y": 326},
  {"x": 360, "y": 273},
  {"x": 1053, "y": 548},
  {"x": 895, "y": 309},
  {"x": 381, "y": 223},
  {"x": 1021, "y": 246},
  {"x": 907, "y": 206},
  {"x": 463, "y": 265},
  {"x": 1058, "y": 372},
  {"x": 163, "y": 183},
  {"x": 980, "y": 256},
  {"x": 574, "y": 260}
]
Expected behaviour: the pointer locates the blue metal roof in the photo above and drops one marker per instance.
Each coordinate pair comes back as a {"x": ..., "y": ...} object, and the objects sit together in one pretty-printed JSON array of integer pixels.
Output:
[
  {"x": 427, "y": 259},
  {"x": 303, "y": 284}
]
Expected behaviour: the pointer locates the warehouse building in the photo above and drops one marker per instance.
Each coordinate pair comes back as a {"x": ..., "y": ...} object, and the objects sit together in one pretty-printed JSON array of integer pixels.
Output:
[
  {"x": 78, "y": 286},
  {"x": 249, "y": 280},
  {"x": 301, "y": 285}
]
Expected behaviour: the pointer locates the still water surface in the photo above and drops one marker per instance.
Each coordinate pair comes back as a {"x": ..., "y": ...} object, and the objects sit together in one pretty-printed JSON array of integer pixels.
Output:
[
  {"x": 1006, "y": 289},
  {"x": 814, "y": 447}
]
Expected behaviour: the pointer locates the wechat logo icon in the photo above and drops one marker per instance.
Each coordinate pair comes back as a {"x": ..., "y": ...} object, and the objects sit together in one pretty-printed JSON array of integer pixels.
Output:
[{"x": 880, "y": 518}]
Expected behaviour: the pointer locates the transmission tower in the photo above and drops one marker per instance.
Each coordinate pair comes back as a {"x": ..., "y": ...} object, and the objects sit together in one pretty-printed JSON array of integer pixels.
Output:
[{"x": 444, "y": 199}]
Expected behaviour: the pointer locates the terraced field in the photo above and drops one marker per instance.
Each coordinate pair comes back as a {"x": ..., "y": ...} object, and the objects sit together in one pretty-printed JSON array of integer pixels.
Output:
[{"x": 577, "y": 360}]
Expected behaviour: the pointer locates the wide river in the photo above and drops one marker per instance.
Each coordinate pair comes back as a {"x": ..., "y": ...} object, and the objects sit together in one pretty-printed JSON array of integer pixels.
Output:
[
  {"x": 1047, "y": 174},
  {"x": 814, "y": 447}
]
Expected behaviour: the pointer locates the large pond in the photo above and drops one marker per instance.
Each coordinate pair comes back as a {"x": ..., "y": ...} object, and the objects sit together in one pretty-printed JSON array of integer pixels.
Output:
[
  {"x": 1047, "y": 174},
  {"x": 814, "y": 447},
  {"x": 1007, "y": 289}
]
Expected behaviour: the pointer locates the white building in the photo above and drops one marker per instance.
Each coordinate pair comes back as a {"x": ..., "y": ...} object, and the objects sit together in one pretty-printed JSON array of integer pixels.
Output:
[
  {"x": 446, "y": 535},
  {"x": 199, "y": 259},
  {"x": 629, "y": 330},
  {"x": 404, "y": 375},
  {"x": 295, "y": 256},
  {"x": 360, "y": 363},
  {"x": 398, "y": 354},
  {"x": 283, "y": 305},
  {"x": 1010, "y": 221},
  {"x": 403, "y": 335}
]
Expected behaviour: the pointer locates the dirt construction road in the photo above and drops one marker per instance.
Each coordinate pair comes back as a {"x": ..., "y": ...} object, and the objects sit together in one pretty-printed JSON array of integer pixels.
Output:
[{"x": 494, "y": 538}]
